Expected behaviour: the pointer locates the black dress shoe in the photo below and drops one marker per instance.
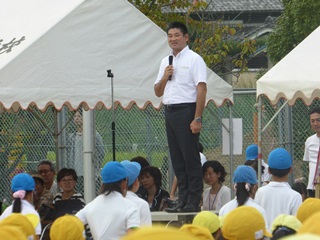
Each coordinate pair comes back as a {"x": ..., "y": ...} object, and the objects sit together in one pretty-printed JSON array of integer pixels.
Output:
[
  {"x": 190, "y": 208},
  {"x": 176, "y": 208},
  {"x": 171, "y": 203}
]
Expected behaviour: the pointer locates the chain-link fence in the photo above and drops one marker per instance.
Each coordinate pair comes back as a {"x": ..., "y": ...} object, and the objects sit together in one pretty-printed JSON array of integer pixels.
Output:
[{"x": 30, "y": 136}]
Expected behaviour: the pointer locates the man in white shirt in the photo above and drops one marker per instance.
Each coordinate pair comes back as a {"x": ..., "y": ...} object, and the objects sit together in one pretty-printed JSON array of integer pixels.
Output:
[
  {"x": 277, "y": 197},
  {"x": 182, "y": 83},
  {"x": 133, "y": 169},
  {"x": 311, "y": 150}
]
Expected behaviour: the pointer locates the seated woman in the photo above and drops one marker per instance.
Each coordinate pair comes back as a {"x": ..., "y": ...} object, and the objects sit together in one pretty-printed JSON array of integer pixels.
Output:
[
  {"x": 218, "y": 194},
  {"x": 151, "y": 180},
  {"x": 67, "y": 180}
]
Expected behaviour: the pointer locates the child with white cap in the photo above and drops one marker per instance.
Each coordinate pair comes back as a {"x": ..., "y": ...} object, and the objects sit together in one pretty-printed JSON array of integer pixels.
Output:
[
  {"x": 277, "y": 197},
  {"x": 133, "y": 169},
  {"x": 111, "y": 215}
]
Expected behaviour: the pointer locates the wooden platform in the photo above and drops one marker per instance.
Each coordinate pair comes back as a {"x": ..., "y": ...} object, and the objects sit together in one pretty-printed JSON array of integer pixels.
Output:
[
  {"x": 178, "y": 218},
  {"x": 164, "y": 217}
]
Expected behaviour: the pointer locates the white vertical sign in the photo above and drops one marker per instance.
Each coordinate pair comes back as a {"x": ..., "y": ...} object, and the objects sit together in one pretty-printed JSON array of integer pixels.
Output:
[{"x": 237, "y": 136}]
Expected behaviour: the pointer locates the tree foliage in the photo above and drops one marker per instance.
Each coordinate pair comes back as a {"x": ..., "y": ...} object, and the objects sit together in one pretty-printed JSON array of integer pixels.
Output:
[
  {"x": 208, "y": 36},
  {"x": 299, "y": 19}
]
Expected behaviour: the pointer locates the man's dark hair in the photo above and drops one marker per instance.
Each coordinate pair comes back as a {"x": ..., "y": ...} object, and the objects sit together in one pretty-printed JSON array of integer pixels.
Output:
[
  {"x": 183, "y": 28},
  {"x": 47, "y": 162},
  {"x": 279, "y": 172},
  {"x": 315, "y": 110},
  {"x": 63, "y": 172}
]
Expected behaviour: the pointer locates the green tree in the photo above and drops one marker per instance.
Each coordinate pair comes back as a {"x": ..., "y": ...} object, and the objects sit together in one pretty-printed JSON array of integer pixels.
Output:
[
  {"x": 209, "y": 37},
  {"x": 298, "y": 20}
]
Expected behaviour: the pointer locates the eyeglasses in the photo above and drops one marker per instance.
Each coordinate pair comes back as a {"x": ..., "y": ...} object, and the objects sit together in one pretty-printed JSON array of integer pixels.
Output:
[
  {"x": 67, "y": 180},
  {"x": 44, "y": 171}
]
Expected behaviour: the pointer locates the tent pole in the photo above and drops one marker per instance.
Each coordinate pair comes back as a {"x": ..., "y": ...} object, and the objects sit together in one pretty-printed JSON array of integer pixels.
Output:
[
  {"x": 231, "y": 146},
  {"x": 113, "y": 124},
  {"x": 88, "y": 155},
  {"x": 259, "y": 139}
]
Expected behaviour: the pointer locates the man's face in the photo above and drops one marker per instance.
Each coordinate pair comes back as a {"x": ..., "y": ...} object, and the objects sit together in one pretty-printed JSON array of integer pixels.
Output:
[
  {"x": 47, "y": 174},
  {"x": 77, "y": 119},
  {"x": 177, "y": 41},
  {"x": 315, "y": 122}
]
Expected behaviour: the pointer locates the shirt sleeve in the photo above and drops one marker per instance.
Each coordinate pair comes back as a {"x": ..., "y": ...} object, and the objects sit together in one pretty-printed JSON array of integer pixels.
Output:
[
  {"x": 161, "y": 71},
  {"x": 82, "y": 216},
  {"x": 133, "y": 217},
  {"x": 199, "y": 70}
]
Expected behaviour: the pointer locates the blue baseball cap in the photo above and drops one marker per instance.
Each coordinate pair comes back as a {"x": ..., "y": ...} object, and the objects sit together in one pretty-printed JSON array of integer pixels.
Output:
[
  {"x": 279, "y": 158},
  {"x": 133, "y": 170},
  {"x": 113, "y": 172},
  {"x": 252, "y": 152},
  {"x": 245, "y": 174},
  {"x": 22, "y": 181}
]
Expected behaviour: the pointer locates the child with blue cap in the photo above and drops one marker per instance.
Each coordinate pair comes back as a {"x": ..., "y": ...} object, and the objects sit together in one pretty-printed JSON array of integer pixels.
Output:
[
  {"x": 133, "y": 169},
  {"x": 22, "y": 187},
  {"x": 278, "y": 197},
  {"x": 245, "y": 186},
  {"x": 252, "y": 161},
  {"x": 110, "y": 215}
]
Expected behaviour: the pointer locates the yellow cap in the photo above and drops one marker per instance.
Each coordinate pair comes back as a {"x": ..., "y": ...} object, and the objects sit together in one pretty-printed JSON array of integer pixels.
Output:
[
  {"x": 307, "y": 208},
  {"x": 11, "y": 232},
  {"x": 244, "y": 223},
  {"x": 208, "y": 220},
  {"x": 311, "y": 225},
  {"x": 286, "y": 220},
  {"x": 159, "y": 233},
  {"x": 22, "y": 222},
  {"x": 197, "y": 231},
  {"x": 67, "y": 227}
]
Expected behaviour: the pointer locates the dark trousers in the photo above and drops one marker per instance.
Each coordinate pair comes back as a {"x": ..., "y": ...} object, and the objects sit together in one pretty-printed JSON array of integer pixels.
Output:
[{"x": 184, "y": 151}]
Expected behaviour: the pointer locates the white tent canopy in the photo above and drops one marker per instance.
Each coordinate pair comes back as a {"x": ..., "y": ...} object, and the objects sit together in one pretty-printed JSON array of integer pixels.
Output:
[
  {"x": 67, "y": 48},
  {"x": 57, "y": 52},
  {"x": 296, "y": 75}
]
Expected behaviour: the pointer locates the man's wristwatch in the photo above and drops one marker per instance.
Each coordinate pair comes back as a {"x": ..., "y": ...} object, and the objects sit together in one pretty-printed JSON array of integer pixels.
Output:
[{"x": 198, "y": 119}]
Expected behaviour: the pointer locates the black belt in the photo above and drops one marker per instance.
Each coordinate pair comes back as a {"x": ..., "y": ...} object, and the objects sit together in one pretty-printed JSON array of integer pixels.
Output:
[{"x": 179, "y": 105}]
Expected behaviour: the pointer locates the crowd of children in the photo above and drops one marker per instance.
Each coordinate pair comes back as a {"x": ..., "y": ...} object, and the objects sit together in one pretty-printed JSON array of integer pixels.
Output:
[{"x": 272, "y": 211}]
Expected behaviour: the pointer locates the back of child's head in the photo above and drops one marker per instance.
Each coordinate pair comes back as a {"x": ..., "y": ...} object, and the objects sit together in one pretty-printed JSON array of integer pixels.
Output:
[
  {"x": 284, "y": 225},
  {"x": 280, "y": 162}
]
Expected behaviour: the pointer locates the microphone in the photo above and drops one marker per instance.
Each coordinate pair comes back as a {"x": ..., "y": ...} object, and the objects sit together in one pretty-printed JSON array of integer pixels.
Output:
[{"x": 170, "y": 63}]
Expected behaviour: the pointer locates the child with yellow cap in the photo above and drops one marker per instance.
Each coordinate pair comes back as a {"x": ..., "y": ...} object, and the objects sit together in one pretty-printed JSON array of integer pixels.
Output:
[{"x": 244, "y": 223}]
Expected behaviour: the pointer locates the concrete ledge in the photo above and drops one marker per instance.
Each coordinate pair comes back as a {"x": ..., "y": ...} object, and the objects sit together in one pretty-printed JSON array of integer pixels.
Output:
[{"x": 167, "y": 217}]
